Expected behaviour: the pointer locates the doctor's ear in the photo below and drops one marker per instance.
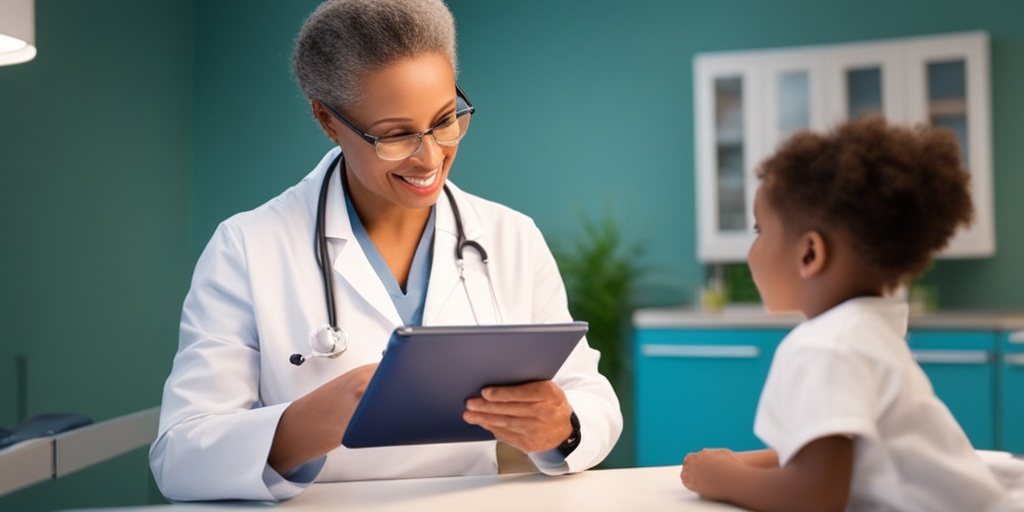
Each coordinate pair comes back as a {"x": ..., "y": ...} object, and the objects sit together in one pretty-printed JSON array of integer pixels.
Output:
[
  {"x": 814, "y": 254},
  {"x": 326, "y": 120}
]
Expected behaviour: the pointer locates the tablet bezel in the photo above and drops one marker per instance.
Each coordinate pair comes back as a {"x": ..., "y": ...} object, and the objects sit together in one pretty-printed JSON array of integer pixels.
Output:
[{"x": 418, "y": 392}]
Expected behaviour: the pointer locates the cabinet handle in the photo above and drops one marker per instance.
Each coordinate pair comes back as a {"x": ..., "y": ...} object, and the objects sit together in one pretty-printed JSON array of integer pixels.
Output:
[
  {"x": 702, "y": 351},
  {"x": 1014, "y": 359},
  {"x": 1017, "y": 337},
  {"x": 951, "y": 356}
]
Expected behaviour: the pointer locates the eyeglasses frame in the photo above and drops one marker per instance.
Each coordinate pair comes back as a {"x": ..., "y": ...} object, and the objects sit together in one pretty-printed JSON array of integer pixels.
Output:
[{"x": 373, "y": 139}]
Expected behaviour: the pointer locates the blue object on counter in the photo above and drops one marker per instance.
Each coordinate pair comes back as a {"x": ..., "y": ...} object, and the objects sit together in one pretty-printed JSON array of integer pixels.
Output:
[{"x": 43, "y": 425}]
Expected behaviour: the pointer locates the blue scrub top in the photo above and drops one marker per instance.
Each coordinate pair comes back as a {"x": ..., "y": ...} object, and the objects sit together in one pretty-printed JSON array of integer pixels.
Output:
[{"x": 409, "y": 302}]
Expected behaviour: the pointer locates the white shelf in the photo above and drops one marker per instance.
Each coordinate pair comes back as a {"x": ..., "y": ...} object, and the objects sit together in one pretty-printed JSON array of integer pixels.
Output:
[{"x": 36, "y": 460}]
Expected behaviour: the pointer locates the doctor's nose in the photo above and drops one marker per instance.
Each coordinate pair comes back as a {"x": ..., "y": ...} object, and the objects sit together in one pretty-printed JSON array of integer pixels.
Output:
[{"x": 429, "y": 152}]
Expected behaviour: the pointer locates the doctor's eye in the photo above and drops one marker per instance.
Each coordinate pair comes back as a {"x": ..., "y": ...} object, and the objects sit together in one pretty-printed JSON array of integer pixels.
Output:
[{"x": 448, "y": 129}]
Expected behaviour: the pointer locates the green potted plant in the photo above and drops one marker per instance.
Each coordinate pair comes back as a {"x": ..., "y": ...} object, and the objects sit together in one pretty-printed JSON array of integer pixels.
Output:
[{"x": 601, "y": 273}]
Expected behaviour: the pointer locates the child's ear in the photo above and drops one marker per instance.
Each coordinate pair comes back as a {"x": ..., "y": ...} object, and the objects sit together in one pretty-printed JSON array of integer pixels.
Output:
[{"x": 814, "y": 254}]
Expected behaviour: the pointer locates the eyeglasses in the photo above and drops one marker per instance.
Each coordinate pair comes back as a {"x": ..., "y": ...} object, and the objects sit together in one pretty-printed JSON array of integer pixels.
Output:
[{"x": 399, "y": 147}]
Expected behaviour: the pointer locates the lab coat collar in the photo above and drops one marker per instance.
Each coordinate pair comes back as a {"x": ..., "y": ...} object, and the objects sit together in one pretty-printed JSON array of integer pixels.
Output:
[
  {"x": 349, "y": 260},
  {"x": 351, "y": 263},
  {"x": 444, "y": 273},
  {"x": 446, "y": 216}
]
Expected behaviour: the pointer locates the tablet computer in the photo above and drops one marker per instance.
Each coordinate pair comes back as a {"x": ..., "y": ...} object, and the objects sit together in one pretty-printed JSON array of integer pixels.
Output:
[{"x": 419, "y": 391}]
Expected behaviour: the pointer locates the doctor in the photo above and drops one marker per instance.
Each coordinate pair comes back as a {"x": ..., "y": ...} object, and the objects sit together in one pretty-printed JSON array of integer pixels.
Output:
[{"x": 239, "y": 419}]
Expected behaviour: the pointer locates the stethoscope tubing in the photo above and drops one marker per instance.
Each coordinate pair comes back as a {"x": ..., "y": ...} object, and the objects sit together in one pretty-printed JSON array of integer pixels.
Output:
[{"x": 323, "y": 261}]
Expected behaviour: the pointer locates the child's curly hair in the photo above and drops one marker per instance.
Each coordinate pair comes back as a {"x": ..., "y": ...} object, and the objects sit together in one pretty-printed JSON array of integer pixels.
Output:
[{"x": 899, "y": 193}]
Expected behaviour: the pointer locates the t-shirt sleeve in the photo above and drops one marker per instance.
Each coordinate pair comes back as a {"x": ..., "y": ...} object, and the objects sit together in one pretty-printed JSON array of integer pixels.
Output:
[{"x": 813, "y": 392}]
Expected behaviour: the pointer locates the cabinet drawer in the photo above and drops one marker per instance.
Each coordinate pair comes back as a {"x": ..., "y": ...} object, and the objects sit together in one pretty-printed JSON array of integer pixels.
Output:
[
  {"x": 961, "y": 367},
  {"x": 698, "y": 388}
]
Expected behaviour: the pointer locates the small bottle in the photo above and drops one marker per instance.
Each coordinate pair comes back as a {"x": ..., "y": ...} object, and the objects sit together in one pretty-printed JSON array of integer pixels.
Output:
[{"x": 713, "y": 296}]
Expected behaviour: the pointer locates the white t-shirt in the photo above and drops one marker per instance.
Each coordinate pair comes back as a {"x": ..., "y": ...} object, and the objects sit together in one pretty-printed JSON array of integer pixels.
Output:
[{"x": 850, "y": 372}]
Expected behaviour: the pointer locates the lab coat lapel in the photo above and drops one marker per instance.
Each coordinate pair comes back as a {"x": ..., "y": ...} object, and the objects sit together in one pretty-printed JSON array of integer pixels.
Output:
[
  {"x": 349, "y": 260},
  {"x": 448, "y": 301}
]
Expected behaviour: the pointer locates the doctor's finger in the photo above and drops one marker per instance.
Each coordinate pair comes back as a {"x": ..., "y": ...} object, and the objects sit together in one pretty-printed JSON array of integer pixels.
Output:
[
  {"x": 544, "y": 411},
  {"x": 528, "y": 436},
  {"x": 539, "y": 391},
  {"x": 487, "y": 420},
  {"x": 496, "y": 411},
  {"x": 542, "y": 429}
]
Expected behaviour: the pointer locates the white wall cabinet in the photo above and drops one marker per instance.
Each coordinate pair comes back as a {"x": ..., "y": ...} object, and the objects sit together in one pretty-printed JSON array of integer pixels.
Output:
[{"x": 747, "y": 103}]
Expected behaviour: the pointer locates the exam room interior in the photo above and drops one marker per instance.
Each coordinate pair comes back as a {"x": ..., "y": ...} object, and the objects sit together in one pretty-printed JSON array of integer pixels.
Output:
[{"x": 140, "y": 125}]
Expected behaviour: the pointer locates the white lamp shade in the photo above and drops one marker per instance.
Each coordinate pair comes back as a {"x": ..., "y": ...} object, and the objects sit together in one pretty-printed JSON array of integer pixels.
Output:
[{"x": 17, "y": 31}]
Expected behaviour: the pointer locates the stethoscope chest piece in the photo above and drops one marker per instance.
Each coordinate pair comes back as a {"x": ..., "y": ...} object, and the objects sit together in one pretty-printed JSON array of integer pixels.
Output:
[
  {"x": 325, "y": 341},
  {"x": 328, "y": 341}
]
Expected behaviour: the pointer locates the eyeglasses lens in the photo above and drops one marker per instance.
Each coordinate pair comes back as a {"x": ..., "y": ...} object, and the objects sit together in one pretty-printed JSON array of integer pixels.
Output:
[{"x": 446, "y": 134}]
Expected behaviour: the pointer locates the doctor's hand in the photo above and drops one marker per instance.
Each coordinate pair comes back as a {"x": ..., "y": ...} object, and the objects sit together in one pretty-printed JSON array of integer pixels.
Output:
[
  {"x": 314, "y": 424},
  {"x": 533, "y": 417}
]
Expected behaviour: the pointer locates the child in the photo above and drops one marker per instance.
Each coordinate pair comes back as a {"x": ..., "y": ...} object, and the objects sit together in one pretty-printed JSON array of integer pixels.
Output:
[{"x": 850, "y": 419}]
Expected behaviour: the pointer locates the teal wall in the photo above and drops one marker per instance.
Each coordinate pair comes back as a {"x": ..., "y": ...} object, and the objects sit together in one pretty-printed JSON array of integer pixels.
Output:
[
  {"x": 581, "y": 101},
  {"x": 582, "y": 104},
  {"x": 94, "y": 174},
  {"x": 141, "y": 125}
]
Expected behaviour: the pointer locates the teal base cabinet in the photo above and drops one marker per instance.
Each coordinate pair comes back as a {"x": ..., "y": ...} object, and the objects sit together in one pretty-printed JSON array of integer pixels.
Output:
[
  {"x": 698, "y": 388},
  {"x": 962, "y": 368},
  {"x": 1011, "y": 392},
  {"x": 699, "y": 377}
]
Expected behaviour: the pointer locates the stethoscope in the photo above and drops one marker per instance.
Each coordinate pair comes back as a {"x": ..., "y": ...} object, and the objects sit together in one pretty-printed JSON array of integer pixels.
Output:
[{"x": 330, "y": 340}]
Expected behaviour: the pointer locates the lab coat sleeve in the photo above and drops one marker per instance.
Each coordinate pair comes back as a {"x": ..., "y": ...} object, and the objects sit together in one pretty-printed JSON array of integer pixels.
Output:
[
  {"x": 214, "y": 435},
  {"x": 589, "y": 393}
]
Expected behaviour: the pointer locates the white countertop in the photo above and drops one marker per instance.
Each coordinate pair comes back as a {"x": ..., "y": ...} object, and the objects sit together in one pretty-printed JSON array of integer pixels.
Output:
[
  {"x": 611, "y": 490},
  {"x": 754, "y": 316}
]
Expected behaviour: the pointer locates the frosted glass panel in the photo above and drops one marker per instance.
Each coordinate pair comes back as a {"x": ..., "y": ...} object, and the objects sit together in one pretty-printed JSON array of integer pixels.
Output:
[
  {"x": 794, "y": 103},
  {"x": 947, "y": 99},
  {"x": 729, "y": 145},
  {"x": 864, "y": 92}
]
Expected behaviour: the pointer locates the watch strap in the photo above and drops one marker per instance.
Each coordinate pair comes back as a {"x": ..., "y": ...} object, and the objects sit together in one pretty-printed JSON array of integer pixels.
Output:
[{"x": 573, "y": 440}]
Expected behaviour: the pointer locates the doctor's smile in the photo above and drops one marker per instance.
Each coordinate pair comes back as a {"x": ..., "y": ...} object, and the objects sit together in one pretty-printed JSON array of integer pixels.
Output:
[
  {"x": 421, "y": 184},
  {"x": 425, "y": 181}
]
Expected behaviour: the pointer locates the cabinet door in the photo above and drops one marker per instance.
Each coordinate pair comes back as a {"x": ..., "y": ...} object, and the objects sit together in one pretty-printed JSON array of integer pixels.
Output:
[
  {"x": 727, "y": 148},
  {"x": 746, "y": 103},
  {"x": 864, "y": 79},
  {"x": 697, "y": 389},
  {"x": 793, "y": 97},
  {"x": 1011, "y": 393},
  {"x": 961, "y": 367},
  {"x": 948, "y": 85}
]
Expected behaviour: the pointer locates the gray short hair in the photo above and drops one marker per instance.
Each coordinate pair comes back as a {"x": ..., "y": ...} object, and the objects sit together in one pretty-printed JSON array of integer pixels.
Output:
[{"x": 343, "y": 40}]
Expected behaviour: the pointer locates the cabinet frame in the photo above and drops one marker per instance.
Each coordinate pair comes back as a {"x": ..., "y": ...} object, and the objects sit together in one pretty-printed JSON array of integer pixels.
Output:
[
  {"x": 723, "y": 243},
  {"x": 903, "y": 68}
]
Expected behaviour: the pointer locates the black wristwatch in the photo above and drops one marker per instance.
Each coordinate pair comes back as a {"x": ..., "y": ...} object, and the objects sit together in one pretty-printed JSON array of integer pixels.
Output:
[{"x": 573, "y": 440}]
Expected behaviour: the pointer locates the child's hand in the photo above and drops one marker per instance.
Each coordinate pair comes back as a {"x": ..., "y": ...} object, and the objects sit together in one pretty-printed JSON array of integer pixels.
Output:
[{"x": 706, "y": 472}]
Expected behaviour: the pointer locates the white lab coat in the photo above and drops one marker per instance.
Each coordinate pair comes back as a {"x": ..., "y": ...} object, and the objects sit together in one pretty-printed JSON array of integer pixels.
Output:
[{"x": 256, "y": 293}]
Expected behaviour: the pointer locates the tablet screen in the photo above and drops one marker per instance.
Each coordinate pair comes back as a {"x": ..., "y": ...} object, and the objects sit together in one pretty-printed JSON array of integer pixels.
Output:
[{"x": 419, "y": 391}]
